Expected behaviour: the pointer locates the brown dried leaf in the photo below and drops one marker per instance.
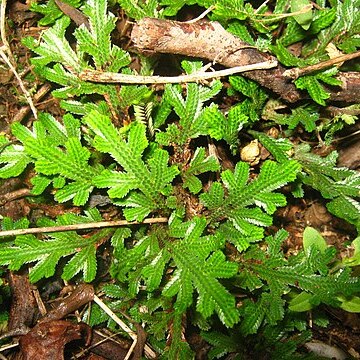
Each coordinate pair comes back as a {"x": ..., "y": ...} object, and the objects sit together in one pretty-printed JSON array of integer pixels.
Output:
[{"x": 48, "y": 339}]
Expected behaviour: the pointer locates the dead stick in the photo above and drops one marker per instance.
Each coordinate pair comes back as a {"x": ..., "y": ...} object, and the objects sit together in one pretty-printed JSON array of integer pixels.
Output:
[
  {"x": 296, "y": 72},
  {"x": 209, "y": 40},
  {"x": 87, "y": 226},
  {"x": 109, "y": 77}
]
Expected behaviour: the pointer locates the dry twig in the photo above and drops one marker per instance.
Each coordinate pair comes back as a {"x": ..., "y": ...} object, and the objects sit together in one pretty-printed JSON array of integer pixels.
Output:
[
  {"x": 296, "y": 72},
  {"x": 148, "y": 351},
  {"x": 8, "y": 58},
  {"x": 109, "y": 77},
  {"x": 6, "y": 46},
  {"x": 86, "y": 226},
  {"x": 209, "y": 40}
]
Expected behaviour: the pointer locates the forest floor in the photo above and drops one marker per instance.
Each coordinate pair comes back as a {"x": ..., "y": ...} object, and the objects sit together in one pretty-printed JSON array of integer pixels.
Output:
[{"x": 16, "y": 202}]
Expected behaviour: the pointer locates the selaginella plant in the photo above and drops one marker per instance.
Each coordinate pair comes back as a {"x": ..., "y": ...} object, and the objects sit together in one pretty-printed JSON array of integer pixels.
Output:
[{"x": 215, "y": 264}]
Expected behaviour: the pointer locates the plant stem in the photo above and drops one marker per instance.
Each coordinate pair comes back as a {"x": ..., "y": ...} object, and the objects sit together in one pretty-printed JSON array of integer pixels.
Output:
[{"x": 87, "y": 226}]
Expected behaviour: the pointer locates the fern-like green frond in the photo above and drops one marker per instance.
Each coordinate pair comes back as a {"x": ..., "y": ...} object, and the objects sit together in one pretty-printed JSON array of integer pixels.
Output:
[
  {"x": 13, "y": 158},
  {"x": 189, "y": 110},
  {"x": 58, "y": 154},
  {"x": 313, "y": 86},
  {"x": 56, "y": 151},
  {"x": 198, "y": 165},
  {"x": 139, "y": 9},
  {"x": 244, "y": 223},
  {"x": 51, "y": 11},
  {"x": 47, "y": 253},
  {"x": 150, "y": 178},
  {"x": 341, "y": 185},
  {"x": 58, "y": 62},
  {"x": 199, "y": 267},
  {"x": 226, "y": 128}
]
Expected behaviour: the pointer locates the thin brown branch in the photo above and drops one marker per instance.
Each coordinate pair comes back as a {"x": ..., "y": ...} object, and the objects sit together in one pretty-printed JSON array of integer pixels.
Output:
[
  {"x": 109, "y": 77},
  {"x": 296, "y": 72},
  {"x": 7, "y": 56},
  {"x": 21, "y": 113},
  {"x": 21, "y": 84},
  {"x": 209, "y": 40},
  {"x": 87, "y": 226},
  {"x": 6, "y": 46},
  {"x": 13, "y": 195}
]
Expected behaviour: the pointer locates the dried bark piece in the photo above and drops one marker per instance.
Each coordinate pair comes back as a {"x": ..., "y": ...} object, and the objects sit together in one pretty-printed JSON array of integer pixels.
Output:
[
  {"x": 48, "y": 339},
  {"x": 316, "y": 215},
  {"x": 74, "y": 14},
  {"x": 23, "y": 305},
  {"x": 83, "y": 294},
  {"x": 109, "y": 349},
  {"x": 349, "y": 155},
  {"x": 209, "y": 40}
]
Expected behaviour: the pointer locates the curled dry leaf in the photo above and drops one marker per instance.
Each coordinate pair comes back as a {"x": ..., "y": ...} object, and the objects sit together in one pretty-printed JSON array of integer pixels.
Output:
[{"x": 48, "y": 339}]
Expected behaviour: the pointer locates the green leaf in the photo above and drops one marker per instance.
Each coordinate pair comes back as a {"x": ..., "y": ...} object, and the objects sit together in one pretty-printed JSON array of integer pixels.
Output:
[
  {"x": 51, "y": 11},
  {"x": 301, "y": 302},
  {"x": 200, "y": 273},
  {"x": 47, "y": 253},
  {"x": 55, "y": 48},
  {"x": 351, "y": 305},
  {"x": 56, "y": 151},
  {"x": 189, "y": 110},
  {"x": 222, "y": 344},
  {"x": 220, "y": 127},
  {"x": 279, "y": 148},
  {"x": 150, "y": 178},
  {"x": 139, "y": 9},
  {"x": 312, "y": 85},
  {"x": 58, "y": 62},
  {"x": 315, "y": 89},
  {"x": 341, "y": 185},
  {"x": 304, "y": 19},
  {"x": 198, "y": 165},
  {"x": 312, "y": 237},
  {"x": 13, "y": 158}
]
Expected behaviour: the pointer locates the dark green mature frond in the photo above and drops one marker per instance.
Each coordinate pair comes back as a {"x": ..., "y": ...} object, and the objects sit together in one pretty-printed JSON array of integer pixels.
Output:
[
  {"x": 150, "y": 178},
  {"x": 222, "y": 344},
  {"x": 198, "y": 165},
  {"x": 189, "y": 110},
  {"x": 59, "y": 156},
  {"x": 312, "y": 84},
  {"x": 241, "y": 195},
  {"x": 47, "y": 253},
  {"x": 199, "y": 264},
  {"x": 339, "y": 184},
  {"x": 198, "y": 261}
]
